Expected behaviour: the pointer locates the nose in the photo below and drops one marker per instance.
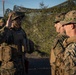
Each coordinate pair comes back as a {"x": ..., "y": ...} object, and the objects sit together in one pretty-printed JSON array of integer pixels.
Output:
[{"x": 55, "y": 25}]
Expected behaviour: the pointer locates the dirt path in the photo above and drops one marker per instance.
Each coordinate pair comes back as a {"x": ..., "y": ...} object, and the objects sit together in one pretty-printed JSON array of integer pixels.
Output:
[{"x": 39, "y": 66}]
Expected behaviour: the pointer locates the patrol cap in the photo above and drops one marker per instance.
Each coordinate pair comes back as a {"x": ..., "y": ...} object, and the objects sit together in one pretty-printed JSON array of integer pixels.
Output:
[
  {"x": 17, "y": 15},
  {"x": 70, "y": 17},
  {"x": 59, "y": 17}
]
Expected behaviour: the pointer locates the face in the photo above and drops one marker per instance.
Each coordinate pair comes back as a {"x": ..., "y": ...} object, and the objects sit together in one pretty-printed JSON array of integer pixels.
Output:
[
  {"x": 59, "y": 28},
  {"x": 16, "y": 23},
  {"x": 68, "y": 28}
]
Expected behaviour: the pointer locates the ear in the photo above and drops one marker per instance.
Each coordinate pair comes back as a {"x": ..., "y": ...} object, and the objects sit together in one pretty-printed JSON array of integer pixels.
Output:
[{"x": 72, "y": 26}]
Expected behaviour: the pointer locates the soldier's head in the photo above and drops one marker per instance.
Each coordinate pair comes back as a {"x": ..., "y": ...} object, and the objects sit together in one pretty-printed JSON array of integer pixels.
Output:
[
  {"x": 17, "y": 18},
  {"x": 69, "y": 23},
  {"x": 58, "y": 26},
  {"x": 59, "y": 17},
  {"x": 2, "y": 22}
]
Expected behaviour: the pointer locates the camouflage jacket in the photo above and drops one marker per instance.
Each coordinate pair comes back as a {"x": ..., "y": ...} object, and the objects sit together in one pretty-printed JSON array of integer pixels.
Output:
[
  {"x": 58, "y": 43},
  {"x": 70, "y": 56},
  {"x": 57, "y": 47}
]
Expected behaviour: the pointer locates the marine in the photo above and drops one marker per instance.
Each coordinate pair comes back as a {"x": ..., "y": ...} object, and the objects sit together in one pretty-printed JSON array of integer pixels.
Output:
[
  {"x": 6, "y": 65},
  {"x": 69, "y": 24},
  {"x": 57, "y": 51},
  {"x": 18, "y": 42}
]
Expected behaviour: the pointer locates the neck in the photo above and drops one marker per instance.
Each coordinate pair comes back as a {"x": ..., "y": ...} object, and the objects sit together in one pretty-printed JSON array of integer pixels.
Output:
[{"x": 72, "y": 33}]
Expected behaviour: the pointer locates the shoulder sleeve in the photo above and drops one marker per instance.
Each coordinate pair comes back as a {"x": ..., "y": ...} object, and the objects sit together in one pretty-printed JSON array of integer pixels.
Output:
[{"x": 52, "y": 57}]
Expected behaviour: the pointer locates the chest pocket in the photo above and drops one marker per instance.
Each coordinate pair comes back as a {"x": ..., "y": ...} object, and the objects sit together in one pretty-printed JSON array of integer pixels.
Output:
[{"x": 5, "y": 53}]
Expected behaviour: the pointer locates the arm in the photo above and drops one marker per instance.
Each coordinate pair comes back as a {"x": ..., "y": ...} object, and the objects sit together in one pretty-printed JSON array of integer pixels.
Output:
[
  {"x": 52, "y": 61},
  {"x": 52, "y": 57},
  {"x": 9, "y": 21}
]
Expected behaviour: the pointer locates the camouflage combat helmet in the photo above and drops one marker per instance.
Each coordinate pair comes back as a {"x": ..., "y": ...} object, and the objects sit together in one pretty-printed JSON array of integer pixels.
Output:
[
  {"x": 59, "y": 17},
  {"x": 17, "y": 15},
  {"x": 70, "y": 17}
]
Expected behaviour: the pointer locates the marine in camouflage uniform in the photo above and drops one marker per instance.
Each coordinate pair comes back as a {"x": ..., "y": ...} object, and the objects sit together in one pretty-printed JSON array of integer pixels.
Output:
[
  {"x": 2, "y": 23},
  {"x": 69, "y": 24},
  {"x": 19, "y": 42},
  {"x": 56, "y": 56},
  {"x": 6, "y": 65}
]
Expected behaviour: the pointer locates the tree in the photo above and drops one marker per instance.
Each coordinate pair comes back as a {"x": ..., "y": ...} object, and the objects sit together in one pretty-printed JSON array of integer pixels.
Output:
[{"x": 42, "y": 6}]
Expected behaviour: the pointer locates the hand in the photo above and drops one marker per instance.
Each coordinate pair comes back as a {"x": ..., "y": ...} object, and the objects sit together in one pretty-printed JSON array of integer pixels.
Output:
[
  {"x": 9, "y": 21},
  {"x": 10, "y": 15}
]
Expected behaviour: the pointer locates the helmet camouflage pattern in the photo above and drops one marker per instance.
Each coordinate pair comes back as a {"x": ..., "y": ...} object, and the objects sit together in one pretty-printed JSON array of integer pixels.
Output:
[
  {"x": 70, "y": 17},
  {"x": 17, "y": 15},
  {"x": 59, "y": 17}
]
